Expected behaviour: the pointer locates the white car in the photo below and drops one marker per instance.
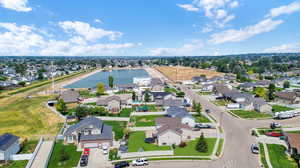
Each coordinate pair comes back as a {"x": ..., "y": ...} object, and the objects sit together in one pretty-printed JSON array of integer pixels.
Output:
[
  {"x": 140, "y": 162},
  {"x": 105, "y": 150}
]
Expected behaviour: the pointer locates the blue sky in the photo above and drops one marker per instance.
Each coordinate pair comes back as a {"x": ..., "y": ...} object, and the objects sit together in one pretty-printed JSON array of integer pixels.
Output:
[{"x": 148, "y": 28}]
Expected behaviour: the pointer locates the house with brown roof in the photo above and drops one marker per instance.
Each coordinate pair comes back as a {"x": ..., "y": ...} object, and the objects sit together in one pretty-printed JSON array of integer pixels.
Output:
[
  {"x": 293, "y": 143},
  {"x": 115, "y": 103},
  {"x": 171, "y": 131},
  {"x": 70, "y": 96},
  {"x": 287, "y": 97}
]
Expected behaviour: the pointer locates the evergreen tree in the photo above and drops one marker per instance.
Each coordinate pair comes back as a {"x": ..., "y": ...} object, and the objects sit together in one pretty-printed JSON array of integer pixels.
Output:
[
  {"x": 202, "y": 144},
  {"x": 111, "y": 81},
  {"x": 271, "y": 93},
  {"x": 133, "y": 96},
  {"x": 286, "y": 84},
  {"x": 147, "y": 97}
]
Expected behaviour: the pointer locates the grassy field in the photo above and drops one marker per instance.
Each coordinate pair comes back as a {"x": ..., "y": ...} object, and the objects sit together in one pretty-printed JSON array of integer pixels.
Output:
[
  {"x": 180, "y": 73},
  {"x": 136, "y": 142},
  {"x": 295, "y": 132},
  {"x": 250, "y": 114},
  {"x": 201, "y": 119},
  {"x": 118, "y": 128},
  {"x": 55, "y": 159},
  {"x": 27, "y": 117},
  {"x": 126, "y": 112},
  {"x": 14, "y": 164},
  {"x": 279, "y": 158},
  {"x": 144, "y": 121},
  {"x": 28, "y": 146},
  {"x": 262, "y": 155},
  {"x": 277, "y": 108},
  {"x": 190, "y": 149}
]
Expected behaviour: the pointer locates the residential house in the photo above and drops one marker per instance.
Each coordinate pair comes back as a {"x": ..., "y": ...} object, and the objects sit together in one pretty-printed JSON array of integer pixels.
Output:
[
  {"x": 248, "y": 86},
  {"x": 207, "y": 87},
  {"x": 169, "y": 102},
  {"x": 9, "y": 145},
  {"x": 127, "y": 87},
  {"x": 70, "y": 96},
  {"x": 156, "y": 95},
  {"x": 156, "y": 81},
  {"x": 116, "y": 102},
  {"x": 263, "y": 83},
  {"x": 142, "y": 81},
  {"x": 183, "y": 114},
  {"x": 287, "y": 97},
  {"x": 89, "y": 133},
  {"x": 198, "y": 79},
  {"x": 261, "y": 105},
  {"x": 293, "y": 143},
  {"x": 157, "y": 88},
  {"x": 171, "y": 131}
]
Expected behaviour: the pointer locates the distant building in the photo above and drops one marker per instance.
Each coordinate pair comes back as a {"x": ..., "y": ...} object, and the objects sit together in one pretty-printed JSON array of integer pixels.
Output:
[
  {"x": 293, "y": 143},
  {"x": 9, "y": 145},
  {"x": 288, "y": 97},
  {"x": 142, "y": 81},
  {"x": 70, "y": 96},
  {"x": 115, "y": 103}
]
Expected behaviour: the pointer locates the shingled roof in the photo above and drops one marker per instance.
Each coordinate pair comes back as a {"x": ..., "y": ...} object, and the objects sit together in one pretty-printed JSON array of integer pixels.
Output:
[
  {"x": 70, "y": 96},
  {"x": 6, "y": 140}
]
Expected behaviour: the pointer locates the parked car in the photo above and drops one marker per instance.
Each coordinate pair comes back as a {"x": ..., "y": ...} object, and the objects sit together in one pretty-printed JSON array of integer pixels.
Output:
[
  {"x": 274, "y": 125},
  {"x": 274, "y": 134},
  {"x": 123, "y": 148},
  {"x": 105, "y": 150},
  {"x": 86, "y": 151},
  {"x": 207, "y": 110},
  {"x": 284, "y": 115},
  {"x": 140, "y": 162},
  {"x": 149, "y": 140},
  {"x": 201, "y": 125},
  {"x": 84, "y": 160},
  {"x": 255, "y": 148},
  {"x": 122, "y": 164}
]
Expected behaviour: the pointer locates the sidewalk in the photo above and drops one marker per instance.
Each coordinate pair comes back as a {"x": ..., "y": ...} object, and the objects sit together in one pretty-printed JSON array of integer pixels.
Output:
[{"x": 43, "y": 155}]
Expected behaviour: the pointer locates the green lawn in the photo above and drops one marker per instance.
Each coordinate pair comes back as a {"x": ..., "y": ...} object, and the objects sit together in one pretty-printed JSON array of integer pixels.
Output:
[
  {"x": 15, "y": 164},
  {"x": 73, "y": 160},
  {"x": 201, "y": 119},
  {"x": 125, "y": 112},
  {"x": 264, "y": 131},
  {"x": 279, "y": 158},
  {"x": 87, "y": 94},
  {"x": 144, "y": 121},
  {"x": 262, "y": 155},
  {"x": 205, "y": 93},
  {"x": 170, "y": 90},
  {"x": 118, "y": 128},
  {"x": 190, "y": 149},
  {"x": 136, "y": 142},
  {"x": 277, "y": 108},
  {"x": 295, "y": 132},
  {"x": 28, "y": 146},
  {"x": 220, "y": 147},
  {"x": 250, "y": 114},
  {"x": 221, "y": 102}
]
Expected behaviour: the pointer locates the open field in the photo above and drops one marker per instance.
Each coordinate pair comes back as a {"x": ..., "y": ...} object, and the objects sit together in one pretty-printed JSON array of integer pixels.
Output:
[{"x": 180, "y": 73}]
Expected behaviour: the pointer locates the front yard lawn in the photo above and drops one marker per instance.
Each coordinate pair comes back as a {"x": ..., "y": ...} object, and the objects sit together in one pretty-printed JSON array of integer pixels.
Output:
[
  {"x": 14, "y": 164},
  {"x": 221, "y": 102},
  {"x": 145, "y": 121},
  {"x": 118, "y": 128},
  {"x": 28, "y": 146},
  {"x": 250, "y": 114},
  {"x": 262, "y": 155},
  {"x": 190, "y": 149},
  {"x": 87, "y": 94},
  {"x": 136, "y": 142},
  {"x": 125, "y": 112},
  {"x": 201, "y": 119},
  {"x": 57, "y": 156},
  {"x": 295, "y": 132},
  {"x": 279, "y": 158},
  {"x": 277, "y": 108}
]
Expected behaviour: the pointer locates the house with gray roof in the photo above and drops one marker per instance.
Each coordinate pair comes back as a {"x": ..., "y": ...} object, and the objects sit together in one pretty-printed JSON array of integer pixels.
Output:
[
  {"x": 115, "y": 103},
  {"x": 288, "y": 97},
  {"x": 183, "y": 114},
  {"x": 89, "y": 133},
  {"x": 156, "y": 95},
  {"x": 70, "y": 96},
  {"x": 9, "y": 145}
]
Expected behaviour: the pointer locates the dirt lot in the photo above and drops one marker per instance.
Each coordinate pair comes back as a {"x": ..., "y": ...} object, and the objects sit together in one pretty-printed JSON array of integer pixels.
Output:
[{"x": 180, "y": 73}]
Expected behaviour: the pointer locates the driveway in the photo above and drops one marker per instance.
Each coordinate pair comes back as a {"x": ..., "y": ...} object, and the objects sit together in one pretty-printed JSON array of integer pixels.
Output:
[{"x": 98, "y": 160}]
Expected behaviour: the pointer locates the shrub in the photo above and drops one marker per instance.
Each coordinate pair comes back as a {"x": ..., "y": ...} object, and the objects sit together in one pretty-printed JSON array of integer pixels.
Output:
[
  {"x": 64, "y": 155},
  {"x": 182, "y": 145}
]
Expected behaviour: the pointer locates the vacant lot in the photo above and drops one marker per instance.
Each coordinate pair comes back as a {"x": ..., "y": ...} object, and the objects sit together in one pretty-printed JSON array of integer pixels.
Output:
[
  {"x": 27, "y": 117},
  {"x": 185, "y": 73},
  {"x": 136, "y": 143},
  {"x": 250, "y": 114}
]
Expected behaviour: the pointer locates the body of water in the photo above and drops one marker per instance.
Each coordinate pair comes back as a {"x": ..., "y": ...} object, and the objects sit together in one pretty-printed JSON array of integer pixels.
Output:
[{"x": 120, "y": 77}]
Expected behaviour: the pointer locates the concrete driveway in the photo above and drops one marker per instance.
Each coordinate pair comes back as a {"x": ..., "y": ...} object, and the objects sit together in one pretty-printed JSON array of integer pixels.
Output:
[{"x": 98, "y": 160}]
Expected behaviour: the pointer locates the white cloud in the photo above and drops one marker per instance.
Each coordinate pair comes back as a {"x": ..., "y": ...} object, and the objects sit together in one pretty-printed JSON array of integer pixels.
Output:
[
  {"x": 87, "y": 31},
  {"x": 207, "y": 28},
  {"x": 189, "y": 7},
  {"x": 233, "y": 35},
  {"x": 234, "y": 4},
  {"x": 286, "y": 9},
  {"x": 185, "y": 50},
  {"x": 17, "y": 5},
  {"x": 29, "y": 40},
  {"x": 292, "y": 47},
  {"x": 98, "y": 21},
  {"x": 211, "y": 7},
  {"x": 221, "y": 14}
]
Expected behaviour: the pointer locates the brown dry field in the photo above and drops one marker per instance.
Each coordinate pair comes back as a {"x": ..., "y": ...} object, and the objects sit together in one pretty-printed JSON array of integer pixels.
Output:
[{"x": 185, "y": 73}]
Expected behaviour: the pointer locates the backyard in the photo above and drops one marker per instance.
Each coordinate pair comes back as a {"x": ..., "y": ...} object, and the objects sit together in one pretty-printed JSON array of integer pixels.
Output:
[
  {"x": 64, "y": 156},
  {"x": 250, "y": 114},
  {"x": 278, "y": 157},
  {"x": 118, "y": 128},
  {"x": 136, "y": 143},
  {"x": 144, "y": 121},
  {"x": 28, "y": 146},
  {"x": 14, "y": 164},
  {"x": 190, "y": 148}
]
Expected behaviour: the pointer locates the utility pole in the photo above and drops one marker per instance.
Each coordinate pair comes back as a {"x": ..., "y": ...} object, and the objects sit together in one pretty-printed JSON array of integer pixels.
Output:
[{"x": 52, "y": 69}]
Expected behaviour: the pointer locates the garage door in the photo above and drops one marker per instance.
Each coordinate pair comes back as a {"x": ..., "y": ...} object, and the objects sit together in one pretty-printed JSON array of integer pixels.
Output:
[{"x": 91, "y": 145}]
